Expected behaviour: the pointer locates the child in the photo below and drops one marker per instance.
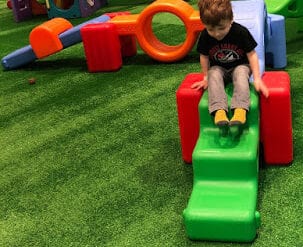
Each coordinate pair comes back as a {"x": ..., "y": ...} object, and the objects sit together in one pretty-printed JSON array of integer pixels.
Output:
[{"x": 227, "y": 52}]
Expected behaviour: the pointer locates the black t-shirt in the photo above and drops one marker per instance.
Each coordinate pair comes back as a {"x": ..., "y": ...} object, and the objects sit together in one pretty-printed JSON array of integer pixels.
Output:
[{"x": 231, "y": 50}]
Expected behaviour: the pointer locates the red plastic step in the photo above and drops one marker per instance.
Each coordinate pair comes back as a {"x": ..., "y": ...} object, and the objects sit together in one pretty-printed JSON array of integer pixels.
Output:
[
  {"x": 276, "y": 119},
  {"x": 102, "y": 47}
]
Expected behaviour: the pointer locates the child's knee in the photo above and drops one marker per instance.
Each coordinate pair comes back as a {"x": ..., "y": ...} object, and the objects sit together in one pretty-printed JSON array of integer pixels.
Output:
[{"x": 216, "y": 73}]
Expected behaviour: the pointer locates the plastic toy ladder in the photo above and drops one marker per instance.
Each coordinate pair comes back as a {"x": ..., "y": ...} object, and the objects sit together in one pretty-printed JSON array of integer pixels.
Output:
[{"x": 222, "y": 206}]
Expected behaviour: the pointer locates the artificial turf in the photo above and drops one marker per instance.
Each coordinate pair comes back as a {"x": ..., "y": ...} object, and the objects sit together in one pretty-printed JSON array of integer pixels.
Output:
[{"x": 94, "y": 159}]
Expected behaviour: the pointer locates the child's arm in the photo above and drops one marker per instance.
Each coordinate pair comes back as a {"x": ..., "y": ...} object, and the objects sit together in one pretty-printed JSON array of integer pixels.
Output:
[
  {"x": 204, "y": 62},
  {"x": 254, "y": 65}
]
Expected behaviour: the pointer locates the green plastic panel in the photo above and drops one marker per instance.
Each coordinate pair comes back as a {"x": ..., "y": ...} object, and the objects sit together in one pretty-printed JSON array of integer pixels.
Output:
[
  {"x": 222, "y": 206},
  {"x": 287, "y": 8}
]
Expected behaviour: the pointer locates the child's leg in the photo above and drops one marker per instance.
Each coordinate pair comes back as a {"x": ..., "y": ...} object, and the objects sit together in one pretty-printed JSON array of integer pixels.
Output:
[
  {"x": 240, "y": 77},
  {"x": 240, "y": 101},
  {"x": 217, "y": 98}
]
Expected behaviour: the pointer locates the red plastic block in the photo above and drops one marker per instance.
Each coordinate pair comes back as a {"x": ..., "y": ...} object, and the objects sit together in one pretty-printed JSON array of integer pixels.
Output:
[
  {"x": 102, "y": 47},
  {"x": 276, "y": 120},
  {"x": 128, "y": 42},
  {"x": 188, "y": 114}
]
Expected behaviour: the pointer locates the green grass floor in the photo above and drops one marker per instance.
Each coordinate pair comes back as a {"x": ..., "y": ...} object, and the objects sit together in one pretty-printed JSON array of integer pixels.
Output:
[{"x": 94, "y": 159}]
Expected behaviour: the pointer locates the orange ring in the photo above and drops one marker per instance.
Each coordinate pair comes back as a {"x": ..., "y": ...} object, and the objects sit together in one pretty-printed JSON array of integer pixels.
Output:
[{"x": 151, "y": 45}]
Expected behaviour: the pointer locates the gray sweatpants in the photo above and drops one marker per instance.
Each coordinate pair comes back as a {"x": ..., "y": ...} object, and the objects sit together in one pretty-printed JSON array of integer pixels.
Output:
[{"x": 218, "y": 77}]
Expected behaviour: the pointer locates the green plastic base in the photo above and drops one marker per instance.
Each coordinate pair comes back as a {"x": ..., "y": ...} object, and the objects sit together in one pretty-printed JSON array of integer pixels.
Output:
[{"x": 222, "y": 206}]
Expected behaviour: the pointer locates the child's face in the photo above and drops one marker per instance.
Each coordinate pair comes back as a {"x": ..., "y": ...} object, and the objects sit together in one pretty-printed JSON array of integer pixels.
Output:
[{"x": 219, "y": 31}]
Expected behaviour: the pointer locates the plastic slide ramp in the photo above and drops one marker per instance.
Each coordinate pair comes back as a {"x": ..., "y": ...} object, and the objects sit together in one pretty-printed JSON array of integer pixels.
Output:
[
  {"x": 287, "y": 8},
  {"x": 222, "y": 206},
  {"x": 251, "y": 14}
]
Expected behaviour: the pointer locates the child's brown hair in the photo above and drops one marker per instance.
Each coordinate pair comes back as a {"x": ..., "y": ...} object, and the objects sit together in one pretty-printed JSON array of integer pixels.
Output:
[{"x": 213, "y": 11}]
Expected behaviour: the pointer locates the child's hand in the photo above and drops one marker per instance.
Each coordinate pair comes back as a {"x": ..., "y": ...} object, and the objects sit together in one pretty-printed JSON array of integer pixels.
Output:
[
  {"x": 261, "y": 87},
  {"x": 200, "y": 85}
]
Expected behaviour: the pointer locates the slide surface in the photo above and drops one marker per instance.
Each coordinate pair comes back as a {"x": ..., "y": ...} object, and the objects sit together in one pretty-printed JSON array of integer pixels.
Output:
[
  {"x": 251, "y": 14},
  {"x": 223, "y": 203},
  {"x": 222, "y": 206}
]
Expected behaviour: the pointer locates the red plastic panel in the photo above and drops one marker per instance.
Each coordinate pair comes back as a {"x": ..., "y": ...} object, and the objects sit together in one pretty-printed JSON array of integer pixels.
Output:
[
  {"x": 276, "y": 119},
  {"x": 128, "y": 42},
  {"x": 188, "y": 114},
  {"x": 102, "y": 47}
]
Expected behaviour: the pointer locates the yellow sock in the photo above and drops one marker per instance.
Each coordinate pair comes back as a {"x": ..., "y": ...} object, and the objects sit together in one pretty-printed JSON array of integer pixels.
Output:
[
  {"x": 221, "y": 118},
  {"x": 239, "y": 117}
]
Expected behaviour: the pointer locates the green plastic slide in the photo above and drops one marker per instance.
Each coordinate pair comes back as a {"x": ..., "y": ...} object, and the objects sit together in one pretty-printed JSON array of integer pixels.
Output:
[
  {"x": 287, "y": 8},
  {"x": 222, "y": 206}
]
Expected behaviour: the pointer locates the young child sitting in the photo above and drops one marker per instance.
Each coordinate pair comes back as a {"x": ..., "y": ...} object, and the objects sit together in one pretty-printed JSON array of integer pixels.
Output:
[{"x": 227, "y": 53}]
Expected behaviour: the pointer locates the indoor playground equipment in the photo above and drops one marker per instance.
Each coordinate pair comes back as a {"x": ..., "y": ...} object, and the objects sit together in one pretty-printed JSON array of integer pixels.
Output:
[
  {"x": 139, "y": 27},
  {"x": 287, "y": 8},
  {"x": 47, "y": 39},
  {"x": 103, "y": 52},
  {"x": 25, "y": 9},
  {"x": 223, "y": 203},
  {"x": 73, "y": 8},
  {"x": 104, "y": 48}
]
